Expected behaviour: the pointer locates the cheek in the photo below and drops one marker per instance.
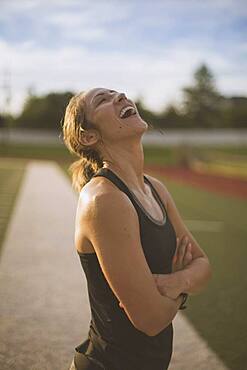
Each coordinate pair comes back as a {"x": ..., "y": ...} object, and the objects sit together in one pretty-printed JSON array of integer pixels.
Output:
[{"x": 107, "y": 118}]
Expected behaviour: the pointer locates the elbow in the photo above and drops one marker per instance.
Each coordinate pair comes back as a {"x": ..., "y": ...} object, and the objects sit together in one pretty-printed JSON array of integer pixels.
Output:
[
  {"x": 208, "y": 274},
  {"x": 153, "y": 327},
  {"x": 154, "y": 330},
  {"x": 156, "y": 317},
  {"x": 210, "y": 271}
]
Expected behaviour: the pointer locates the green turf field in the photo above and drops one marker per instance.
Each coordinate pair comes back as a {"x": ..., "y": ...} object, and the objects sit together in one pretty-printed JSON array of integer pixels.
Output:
[
  {"x": 219, "y": 312},
  {"x": 153, "y": 154},
  {"x": 11, "y": 175}
]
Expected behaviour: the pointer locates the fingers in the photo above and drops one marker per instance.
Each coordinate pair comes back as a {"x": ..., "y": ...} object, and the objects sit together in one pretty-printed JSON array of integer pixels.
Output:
[
  {"x": 175, "y": 254},
  {"x": 188, "y": 255},
  {"x": 183, "y": 255},
  {"x": 175, "y": 257},
  {"x": 181, "y": 251}
]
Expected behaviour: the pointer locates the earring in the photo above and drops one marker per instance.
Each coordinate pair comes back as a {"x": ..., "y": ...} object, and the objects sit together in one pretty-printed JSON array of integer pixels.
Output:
[{"x": 81, "y": 129}]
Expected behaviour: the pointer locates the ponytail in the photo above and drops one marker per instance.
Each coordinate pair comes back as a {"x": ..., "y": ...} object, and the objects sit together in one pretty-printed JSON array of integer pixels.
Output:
[
  {"x": 83, "y": 169},
  {"x": 90, "y": 161}
]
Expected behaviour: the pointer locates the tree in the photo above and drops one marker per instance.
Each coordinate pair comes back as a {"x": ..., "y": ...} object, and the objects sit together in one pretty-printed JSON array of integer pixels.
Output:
[
  {"x": 202, "y": 100},
  {"x": 147, "y": 115},
  {"x": 235, "y": 111},
  {"x": 171, "y": 117},
  {"x": 44, "y": 112}
]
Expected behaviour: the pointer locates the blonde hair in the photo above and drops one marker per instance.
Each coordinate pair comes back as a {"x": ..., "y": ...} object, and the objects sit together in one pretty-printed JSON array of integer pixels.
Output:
[{"x": 90, "y": 160}]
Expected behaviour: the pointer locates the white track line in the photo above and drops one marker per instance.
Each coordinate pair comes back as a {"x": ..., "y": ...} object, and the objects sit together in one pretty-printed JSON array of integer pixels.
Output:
[
  {"x": 190, "y": 350},
  {"x": 200, "y": 225}
]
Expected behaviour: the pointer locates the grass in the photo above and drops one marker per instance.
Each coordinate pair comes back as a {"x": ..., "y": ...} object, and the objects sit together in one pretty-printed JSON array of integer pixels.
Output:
[
  {"x": 227, "y": 150},
  {"x": 11, "y": 175},
  {"x": 47, "y": 152},
  {"x": 219, "y": 312},
  {"x": 153, "y": 154}
]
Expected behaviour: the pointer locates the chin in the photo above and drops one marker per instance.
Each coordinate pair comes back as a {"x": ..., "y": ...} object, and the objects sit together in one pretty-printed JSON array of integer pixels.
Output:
[
  {"x": 144, "y": 123},
  {"x": 141, "y": 127}
]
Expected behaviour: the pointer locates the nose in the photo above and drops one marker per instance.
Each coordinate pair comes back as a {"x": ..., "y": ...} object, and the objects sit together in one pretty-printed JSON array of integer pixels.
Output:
[{"x": 119, "y": 97}]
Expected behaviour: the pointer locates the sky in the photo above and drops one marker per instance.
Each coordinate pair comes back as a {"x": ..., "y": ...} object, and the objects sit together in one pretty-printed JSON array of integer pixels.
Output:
[{"x": 146, "y": 49}]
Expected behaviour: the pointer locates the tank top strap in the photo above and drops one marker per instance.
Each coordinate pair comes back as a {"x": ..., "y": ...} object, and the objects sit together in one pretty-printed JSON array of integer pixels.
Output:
[
  {"x": 116, "y": 180},
  {"x": 106, "y": 172}
]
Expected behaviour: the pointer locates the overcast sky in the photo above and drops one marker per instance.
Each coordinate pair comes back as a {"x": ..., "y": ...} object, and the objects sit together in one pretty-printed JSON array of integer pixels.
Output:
[{"x": 143, "y": 48}]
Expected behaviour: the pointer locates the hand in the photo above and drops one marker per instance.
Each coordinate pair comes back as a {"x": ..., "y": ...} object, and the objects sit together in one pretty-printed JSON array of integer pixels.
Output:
[
  {"x": 168, "y": 285},
  {"x": 183, "y": 255}
]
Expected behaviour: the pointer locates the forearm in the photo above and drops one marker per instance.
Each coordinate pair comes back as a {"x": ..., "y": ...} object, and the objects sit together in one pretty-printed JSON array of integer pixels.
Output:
[
  {"x": 192, "y": 279},
  {"x": 167, "y": 311},
  {"x": 195, "y": 276}
]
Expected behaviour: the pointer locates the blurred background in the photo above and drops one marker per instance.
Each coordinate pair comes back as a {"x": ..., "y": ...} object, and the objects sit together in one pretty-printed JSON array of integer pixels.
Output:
[{"x": 184, "y": 63}]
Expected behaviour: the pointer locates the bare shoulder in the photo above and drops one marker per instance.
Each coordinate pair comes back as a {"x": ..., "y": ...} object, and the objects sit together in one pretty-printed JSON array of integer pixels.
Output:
[
  {"x": 99, "y": 193},
  {"x": 101, "y": 200}
]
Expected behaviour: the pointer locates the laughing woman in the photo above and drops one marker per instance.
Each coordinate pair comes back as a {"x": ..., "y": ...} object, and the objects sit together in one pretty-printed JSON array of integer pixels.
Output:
[{"x": 138, "y": 273}]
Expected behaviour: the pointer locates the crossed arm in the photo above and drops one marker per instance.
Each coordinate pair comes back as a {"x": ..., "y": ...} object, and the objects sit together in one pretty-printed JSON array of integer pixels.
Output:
[
  {"x": 193, "y": 276},
  {"x": 192, "y": 279}
]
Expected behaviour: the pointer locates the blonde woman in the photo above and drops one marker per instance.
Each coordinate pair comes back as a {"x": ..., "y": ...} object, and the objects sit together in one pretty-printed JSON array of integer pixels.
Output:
[{"x": 127, "y": 224}]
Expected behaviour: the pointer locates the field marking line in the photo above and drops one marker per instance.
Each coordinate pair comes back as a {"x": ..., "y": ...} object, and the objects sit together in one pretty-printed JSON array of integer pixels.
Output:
[{"x": 207, "y": 226}]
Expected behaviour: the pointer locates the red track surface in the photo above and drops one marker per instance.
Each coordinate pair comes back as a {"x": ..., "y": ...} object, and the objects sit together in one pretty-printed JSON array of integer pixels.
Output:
[{"x": 215, "y": 183}]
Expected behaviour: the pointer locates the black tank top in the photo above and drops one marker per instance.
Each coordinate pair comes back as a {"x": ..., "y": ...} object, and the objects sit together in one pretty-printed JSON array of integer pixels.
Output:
[{"x": 122, "y": 346}]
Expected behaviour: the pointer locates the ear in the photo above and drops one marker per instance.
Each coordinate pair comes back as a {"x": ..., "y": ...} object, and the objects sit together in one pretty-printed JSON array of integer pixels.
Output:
[{"x": 89, "y": 137}]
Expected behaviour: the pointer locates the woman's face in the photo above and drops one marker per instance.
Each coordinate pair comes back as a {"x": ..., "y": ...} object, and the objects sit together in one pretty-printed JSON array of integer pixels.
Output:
[{"x": 113, "y": 113}]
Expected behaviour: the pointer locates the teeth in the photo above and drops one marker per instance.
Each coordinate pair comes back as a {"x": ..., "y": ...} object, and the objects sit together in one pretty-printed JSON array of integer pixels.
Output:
[{"x": 124, "y": 110}]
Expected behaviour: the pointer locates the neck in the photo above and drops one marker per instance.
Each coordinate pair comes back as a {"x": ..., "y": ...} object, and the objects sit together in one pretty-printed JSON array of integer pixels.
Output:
[{"x": 128, "y": 163}]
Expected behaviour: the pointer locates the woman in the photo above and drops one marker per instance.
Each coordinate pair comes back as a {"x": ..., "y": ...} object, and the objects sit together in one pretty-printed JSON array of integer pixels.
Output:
[{"x": 138, "y": 273}]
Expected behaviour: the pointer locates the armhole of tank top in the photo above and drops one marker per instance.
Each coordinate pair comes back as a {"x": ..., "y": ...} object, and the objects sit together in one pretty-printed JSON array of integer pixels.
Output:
[
  {"x": 111, "y": 176},
  {"x": 156, "y": 194},
  {"x": 121, "y": 186}
]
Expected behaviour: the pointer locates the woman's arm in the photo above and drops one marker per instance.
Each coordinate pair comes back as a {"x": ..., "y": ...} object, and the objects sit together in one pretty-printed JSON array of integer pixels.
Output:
[
  {"x": 110, "y": 222},
  {"x": 194, "y": 277},
  {"x": 190, "y": 280}
]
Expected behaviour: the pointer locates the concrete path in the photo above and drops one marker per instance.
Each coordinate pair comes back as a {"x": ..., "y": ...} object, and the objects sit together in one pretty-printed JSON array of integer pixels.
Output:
[
  {"x": 190, "y": 351},
  {"x": 44, "y": 307}
]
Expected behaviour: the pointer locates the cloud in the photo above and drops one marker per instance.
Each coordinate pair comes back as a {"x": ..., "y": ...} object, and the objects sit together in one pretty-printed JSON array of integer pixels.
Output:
[
  {"x": 67, "y": 20},
  {"x": 140, "y": 47},
  {"x": 159, "y": 80}
]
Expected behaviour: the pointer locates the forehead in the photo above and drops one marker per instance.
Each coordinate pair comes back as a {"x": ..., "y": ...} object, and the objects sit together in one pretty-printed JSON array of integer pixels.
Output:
[{"x": 92, "y": 93}]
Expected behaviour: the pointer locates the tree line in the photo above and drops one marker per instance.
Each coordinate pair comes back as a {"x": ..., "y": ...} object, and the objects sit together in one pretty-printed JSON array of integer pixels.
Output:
[{"x": 203, "y": 106}]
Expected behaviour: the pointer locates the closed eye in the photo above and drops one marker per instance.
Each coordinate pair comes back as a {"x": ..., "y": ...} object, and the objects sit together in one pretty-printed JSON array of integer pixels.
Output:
[
  {"x": 101, "y": 101},
  {"x": 104, "y": 99}
]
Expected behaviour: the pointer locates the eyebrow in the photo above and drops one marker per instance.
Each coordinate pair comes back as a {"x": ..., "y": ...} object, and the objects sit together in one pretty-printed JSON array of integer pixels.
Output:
[{"x": 101, "y": 93}]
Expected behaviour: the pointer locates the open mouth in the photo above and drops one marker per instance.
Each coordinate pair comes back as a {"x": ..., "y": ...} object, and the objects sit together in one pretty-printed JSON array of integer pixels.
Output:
[{"x": 127, "y": 112}]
